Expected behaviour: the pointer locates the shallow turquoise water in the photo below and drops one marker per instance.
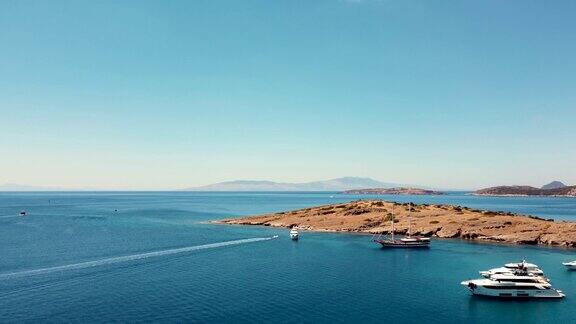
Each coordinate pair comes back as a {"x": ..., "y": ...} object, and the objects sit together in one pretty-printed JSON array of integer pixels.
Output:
[{"x": 322, "y": 278}]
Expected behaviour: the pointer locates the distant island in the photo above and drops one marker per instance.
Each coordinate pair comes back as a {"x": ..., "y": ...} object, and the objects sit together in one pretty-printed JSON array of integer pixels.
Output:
[
  {"x": 444, "y": 221},
  {"x": 553, "y": 189},
  {"x": 392, "y": 191},
  {"x": 338, "y": 184}
]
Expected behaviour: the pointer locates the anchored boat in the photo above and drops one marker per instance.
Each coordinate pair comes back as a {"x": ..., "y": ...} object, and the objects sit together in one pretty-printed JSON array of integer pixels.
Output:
[
  {"x": 570, "y": 265},
  {"x": 294, "y": 234},
  {"x": 520, "y": 281},
  {"x": 408, "y": 241}
]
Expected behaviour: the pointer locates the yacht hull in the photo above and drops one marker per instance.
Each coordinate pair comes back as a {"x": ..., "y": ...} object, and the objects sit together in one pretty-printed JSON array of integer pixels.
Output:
[
  {"x": 570, "y": 265},
  {"x": 517, "y": 293},
  {"x": 402, "y": 245}
]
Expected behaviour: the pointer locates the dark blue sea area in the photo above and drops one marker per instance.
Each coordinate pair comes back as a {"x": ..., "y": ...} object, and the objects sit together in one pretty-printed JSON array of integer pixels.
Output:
[{"x": 128, "y": 257}]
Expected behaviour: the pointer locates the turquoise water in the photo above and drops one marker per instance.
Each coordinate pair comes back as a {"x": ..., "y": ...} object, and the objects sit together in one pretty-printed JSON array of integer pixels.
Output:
[{"x": 141, "y": 257}]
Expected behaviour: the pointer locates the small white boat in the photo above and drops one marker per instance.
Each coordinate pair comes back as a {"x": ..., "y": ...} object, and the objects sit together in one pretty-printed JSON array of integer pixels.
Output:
[
  {"x": 294, "y": 234},
  {"x": 570, "y": 265}
]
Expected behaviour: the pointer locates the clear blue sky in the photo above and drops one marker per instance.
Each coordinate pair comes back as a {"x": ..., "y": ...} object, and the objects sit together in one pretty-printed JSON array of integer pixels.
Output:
[{"x": 168, "y": 94}]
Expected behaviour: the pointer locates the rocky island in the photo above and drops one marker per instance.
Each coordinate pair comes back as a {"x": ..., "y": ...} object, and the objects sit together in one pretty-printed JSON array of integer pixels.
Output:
[
  {"x": 552, "y": 190},
  {"x": 392, "y": 191},
  {"x": 444, "y": 221}
]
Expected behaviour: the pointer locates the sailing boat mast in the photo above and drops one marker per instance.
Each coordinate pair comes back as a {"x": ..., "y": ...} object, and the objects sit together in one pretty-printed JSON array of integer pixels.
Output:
[
  {"x": 392, "y": 223},
  {"x": 409, "y": 223},
  {"x": 405, "y": 242}
]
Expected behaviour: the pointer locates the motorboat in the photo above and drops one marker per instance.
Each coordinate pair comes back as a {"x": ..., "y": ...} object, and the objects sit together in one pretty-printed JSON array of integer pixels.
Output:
[
  {"x": 520, "y": 268},
  {"x": 294, "y": 234},
  {"x": 570, "y": 265}
]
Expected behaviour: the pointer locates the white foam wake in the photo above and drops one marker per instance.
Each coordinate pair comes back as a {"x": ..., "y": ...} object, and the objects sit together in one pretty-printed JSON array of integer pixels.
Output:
[{"x": 101, "y": 262}]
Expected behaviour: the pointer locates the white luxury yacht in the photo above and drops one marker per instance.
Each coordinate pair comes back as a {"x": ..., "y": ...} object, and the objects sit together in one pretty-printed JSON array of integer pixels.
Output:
[
  {"x": 512, "y": 286},
  {"x": 570, "y": 265},
  {"x": 521, "y": 268},
  {"x": 523, "y": 264},
  {"x": 294, "y": 234},
  {"x": 514, "y": 280}
]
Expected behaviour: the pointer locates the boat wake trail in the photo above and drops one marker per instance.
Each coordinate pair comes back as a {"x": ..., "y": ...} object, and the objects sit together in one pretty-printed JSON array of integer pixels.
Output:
[{"x": 96, "y": 263}]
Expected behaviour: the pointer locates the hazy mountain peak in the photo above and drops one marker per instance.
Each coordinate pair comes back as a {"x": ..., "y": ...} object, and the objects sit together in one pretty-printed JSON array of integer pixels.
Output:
[{"x": 554, "y": 185}]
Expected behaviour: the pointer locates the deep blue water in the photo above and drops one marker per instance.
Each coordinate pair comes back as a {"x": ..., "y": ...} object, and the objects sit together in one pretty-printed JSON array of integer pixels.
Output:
[{"x": 322, "y": 278}]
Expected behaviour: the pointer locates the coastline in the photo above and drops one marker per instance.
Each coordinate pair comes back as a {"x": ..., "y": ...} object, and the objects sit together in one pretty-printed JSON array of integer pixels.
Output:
[
  {"x": 527, "y": 191},
  {"x": 440, "y": 221},
  {"x": 520, "y": 195},
  {"x": 448, "y": 239}
]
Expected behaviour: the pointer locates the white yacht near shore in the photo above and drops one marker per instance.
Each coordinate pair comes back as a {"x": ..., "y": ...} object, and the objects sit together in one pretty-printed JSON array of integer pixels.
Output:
[
  {"x": 294, "y": 234},
  {"x": 570, "y": 265}
]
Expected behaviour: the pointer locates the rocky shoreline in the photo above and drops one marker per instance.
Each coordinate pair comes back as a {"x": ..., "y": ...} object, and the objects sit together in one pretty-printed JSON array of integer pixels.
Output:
[
  {"x": 525, "y": 191},
  {"x": 443, "y": 221}
]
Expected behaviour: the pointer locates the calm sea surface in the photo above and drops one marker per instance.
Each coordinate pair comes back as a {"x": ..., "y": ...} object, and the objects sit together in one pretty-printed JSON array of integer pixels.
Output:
[{"x": 86, "y": 257}]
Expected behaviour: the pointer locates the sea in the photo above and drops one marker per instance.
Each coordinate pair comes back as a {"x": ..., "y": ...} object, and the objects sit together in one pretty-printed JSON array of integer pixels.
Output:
[{"x": 135, "y": 257}]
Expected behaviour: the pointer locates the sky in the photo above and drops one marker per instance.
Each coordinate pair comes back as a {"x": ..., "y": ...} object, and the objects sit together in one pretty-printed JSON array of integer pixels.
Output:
[{"x": 171, "y": 94}]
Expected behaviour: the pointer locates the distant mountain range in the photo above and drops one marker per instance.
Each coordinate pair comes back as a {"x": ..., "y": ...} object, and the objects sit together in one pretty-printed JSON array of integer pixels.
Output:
[
  {"x": 338, "y": 184},
  {"x": 554, "y": 188}
]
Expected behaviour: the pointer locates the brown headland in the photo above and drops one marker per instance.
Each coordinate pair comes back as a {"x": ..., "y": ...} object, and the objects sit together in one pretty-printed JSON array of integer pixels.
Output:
[{"x": 444, "y": 221}]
